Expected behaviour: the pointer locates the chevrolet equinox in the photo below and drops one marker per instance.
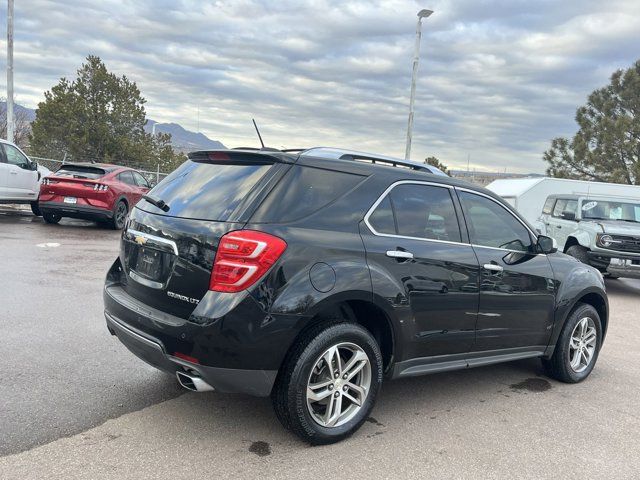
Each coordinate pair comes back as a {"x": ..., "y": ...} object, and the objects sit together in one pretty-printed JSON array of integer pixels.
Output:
[{"x": 310, "y": 276}]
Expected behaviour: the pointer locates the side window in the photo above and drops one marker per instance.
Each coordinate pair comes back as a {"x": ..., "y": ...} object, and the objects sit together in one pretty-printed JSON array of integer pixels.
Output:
[
  {"x": 572, "y": 207},
  {"x": 140, "y": 180},
  {"x": 560, "y": 207},
  {"x": 491, "y": 225},
  {"x": 127, "y": 178},
  {"x": 419, "y": 211},
  {"x": 14, "y": 157},
  {"x": 382, "y": 219},
  {"x": 303, "y": 191},
  {"x": 548, "y": 206}
]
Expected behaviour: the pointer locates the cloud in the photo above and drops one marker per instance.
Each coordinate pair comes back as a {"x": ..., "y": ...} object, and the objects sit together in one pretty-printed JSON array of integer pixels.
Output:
[{"x": 498, "y": 79}]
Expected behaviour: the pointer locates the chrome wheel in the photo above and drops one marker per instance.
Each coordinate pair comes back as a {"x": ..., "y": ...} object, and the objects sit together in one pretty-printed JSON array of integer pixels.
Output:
[
  {"x": 338, "y": 384},
  {"x": 582, "y": 345}
]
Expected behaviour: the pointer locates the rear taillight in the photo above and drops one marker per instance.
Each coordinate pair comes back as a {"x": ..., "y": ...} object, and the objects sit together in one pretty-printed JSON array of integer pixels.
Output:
[
  {"x": 242, "y": 258},
  {"x": 100, "y": 187}
]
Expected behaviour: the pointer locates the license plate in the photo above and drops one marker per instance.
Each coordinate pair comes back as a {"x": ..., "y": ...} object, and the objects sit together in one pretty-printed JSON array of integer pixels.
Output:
[
  {"x": 149, "y": 263},
  {"x": 70, "y": 200}
]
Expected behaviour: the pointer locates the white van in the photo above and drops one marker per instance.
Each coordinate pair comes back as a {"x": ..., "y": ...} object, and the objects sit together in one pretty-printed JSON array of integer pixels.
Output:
[
  {"x": 19, "y": 176},
  {"x": 528, "y": 195}
]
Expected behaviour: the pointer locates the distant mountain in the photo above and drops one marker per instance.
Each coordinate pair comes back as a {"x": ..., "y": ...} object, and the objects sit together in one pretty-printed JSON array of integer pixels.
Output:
[
  {"x": 29, "y": 113},
  {"x": 181, "y": 139}
]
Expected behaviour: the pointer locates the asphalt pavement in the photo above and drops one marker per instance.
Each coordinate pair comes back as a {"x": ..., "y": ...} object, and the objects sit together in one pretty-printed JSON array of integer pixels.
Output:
[
  {"x": 62, "y": 372},
  {"x": 74, "y": 403}
]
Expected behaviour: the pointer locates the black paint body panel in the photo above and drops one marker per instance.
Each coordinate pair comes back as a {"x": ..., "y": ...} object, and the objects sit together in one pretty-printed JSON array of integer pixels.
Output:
[{"x": 442, "y": 307}]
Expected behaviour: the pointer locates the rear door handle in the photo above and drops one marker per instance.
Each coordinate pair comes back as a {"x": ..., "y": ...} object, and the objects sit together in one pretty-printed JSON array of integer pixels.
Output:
[
  {"x": 399, "y": 254},
  {"x": 493, "y": 267},
  {"x": 13, "y": 173}
]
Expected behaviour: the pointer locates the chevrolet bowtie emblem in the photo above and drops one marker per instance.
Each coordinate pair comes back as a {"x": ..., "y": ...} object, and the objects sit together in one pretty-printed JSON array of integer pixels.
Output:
[{"x": 140, "y": 240}]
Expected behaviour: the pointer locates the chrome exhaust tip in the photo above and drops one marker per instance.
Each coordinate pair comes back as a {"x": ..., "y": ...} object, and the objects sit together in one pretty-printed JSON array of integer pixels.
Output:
[{"x": 193, "y": 382}]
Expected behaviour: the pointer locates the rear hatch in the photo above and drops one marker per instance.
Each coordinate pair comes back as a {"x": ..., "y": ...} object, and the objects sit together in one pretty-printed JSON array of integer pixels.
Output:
[
  {"x": 76, "y": 185},
  {"x": 167, "y": 253}
]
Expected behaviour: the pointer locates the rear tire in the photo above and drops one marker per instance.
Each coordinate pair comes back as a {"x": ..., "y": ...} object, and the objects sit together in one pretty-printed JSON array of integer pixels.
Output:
[
  {"x": 578, "y": 346},
  {"x": 579, "y": 252},
  {"x": 119, "y": 216},
  {"x": 328, "y": 413},
  {"x": 35, "y": 208},
  {"x": 51, "y": 218}
]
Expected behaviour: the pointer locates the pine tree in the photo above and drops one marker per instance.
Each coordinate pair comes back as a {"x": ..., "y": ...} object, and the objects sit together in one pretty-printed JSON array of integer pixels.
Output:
[
  {"x": 98, "y": 117},
  {"x": 607, "y": 145}
]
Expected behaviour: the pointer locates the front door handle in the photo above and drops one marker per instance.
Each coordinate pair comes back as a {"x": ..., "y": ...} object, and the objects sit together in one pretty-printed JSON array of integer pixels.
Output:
[
  {"x": 493, "y": 267},
  {"x": 13, "y": 173},
  {"x": 399, "y": 254}
]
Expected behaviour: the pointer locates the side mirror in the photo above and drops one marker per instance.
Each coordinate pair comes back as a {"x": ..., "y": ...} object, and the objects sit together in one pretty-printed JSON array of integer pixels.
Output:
[
  {"x": 567, "y": 215},
  {"x": 547, "y": 244}
]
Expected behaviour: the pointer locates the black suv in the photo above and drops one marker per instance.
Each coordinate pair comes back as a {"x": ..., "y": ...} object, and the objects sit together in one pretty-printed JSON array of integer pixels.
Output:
[{"x": 312, "y": 275}]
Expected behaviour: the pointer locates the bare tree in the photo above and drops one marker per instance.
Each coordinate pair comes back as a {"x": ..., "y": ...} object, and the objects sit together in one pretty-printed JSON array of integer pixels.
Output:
[{"x": 22, "y": 127}]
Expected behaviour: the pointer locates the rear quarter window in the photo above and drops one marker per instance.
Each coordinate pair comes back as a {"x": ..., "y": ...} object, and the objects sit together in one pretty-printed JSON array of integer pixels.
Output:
[
  {"x": 207, "y": 190},
  {"x": 303, "y": 191}
]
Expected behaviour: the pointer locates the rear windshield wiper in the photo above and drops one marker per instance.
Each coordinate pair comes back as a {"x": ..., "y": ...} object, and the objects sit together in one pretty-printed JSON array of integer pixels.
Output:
[{"x": 157, "y": 202}]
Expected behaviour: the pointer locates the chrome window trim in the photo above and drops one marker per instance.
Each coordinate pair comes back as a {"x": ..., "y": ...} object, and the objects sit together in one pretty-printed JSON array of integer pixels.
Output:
[
  {"x": 390, "y": 235},
  {"x": 450, "y": 187},
  {"x": 166, "y": 241}
]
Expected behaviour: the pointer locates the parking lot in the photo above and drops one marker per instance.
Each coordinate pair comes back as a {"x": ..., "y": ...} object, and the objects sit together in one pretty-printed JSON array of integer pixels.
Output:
[{"x": 76, "y": 404}]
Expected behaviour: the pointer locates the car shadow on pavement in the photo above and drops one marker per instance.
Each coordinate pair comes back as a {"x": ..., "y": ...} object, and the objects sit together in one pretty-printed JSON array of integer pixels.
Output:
[
  {"x": 252, "y": 422},
  {"x": 623, "y": 286}
]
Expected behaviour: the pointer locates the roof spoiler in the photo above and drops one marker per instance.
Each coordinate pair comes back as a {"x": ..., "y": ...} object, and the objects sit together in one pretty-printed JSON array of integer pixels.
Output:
[{"x": 244, "y": 156}]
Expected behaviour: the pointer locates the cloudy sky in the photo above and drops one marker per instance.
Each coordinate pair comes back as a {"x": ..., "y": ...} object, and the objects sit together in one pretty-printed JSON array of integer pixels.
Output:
[{"x": 497, "y": 79}]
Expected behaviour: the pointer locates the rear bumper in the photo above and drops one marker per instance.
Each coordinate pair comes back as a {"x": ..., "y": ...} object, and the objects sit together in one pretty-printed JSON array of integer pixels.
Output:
[
  {"x": 153, "y": 351},
  {"x": 76, "y": 211},
  {"x": 618, "y": 264}
]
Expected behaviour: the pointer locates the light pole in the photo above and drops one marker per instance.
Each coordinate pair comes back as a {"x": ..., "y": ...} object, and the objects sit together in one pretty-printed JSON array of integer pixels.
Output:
[
  {"x": 10, "y": 71},
  {"x": 416, "y": 58}
]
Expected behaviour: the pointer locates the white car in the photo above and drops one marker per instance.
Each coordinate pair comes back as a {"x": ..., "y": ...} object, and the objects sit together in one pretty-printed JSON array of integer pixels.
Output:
[{"x": 19, "y": 176}]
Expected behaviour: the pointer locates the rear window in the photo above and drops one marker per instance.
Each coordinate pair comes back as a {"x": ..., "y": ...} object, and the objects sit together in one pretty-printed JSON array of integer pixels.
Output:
[
  {"x": 207, "y": 191},
  {"x": 80, "y": 171},
  {"x": 303, "y": 191}
]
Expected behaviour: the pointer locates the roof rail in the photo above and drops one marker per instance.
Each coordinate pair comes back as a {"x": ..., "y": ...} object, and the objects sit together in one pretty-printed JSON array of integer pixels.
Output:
[{"x": 342, "y": 154}]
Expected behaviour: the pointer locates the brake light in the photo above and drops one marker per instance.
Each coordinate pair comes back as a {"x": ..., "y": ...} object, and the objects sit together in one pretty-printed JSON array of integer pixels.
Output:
[
  {"x": 243, "y": 257},
  {"x": 217, "y": 156},
  {"x": 100, "y": 187}
]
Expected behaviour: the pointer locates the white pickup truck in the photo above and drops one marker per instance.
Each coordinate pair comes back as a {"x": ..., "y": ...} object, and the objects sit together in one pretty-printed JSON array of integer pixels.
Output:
[{"x": 19, "y": 176}]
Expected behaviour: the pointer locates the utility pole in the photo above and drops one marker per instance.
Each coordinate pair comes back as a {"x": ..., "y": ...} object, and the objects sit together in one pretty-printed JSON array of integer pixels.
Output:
[
  {"x": 416, "y": 59},
  {"x": 10, "y": 121}
]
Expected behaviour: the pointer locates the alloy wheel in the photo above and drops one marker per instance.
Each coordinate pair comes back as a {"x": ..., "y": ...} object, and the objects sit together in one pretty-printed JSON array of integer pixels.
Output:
[
  {"x": 338, "y": 385},
  {"x": 582, "y": 344},
  {"x": 121, "y": 213}
]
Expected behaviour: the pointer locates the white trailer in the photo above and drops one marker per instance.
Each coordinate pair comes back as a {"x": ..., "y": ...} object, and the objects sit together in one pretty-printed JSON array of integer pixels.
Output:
[{"x": 527, "y": 195}]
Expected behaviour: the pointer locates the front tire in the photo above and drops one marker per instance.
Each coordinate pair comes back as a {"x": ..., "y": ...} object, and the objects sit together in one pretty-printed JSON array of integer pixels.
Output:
[
  {"x": 578, "y": 346},
  {"x": 329, "y": 382},
  {"x": 579, "y": 252},
  {"x": 51, "y": 218}
]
